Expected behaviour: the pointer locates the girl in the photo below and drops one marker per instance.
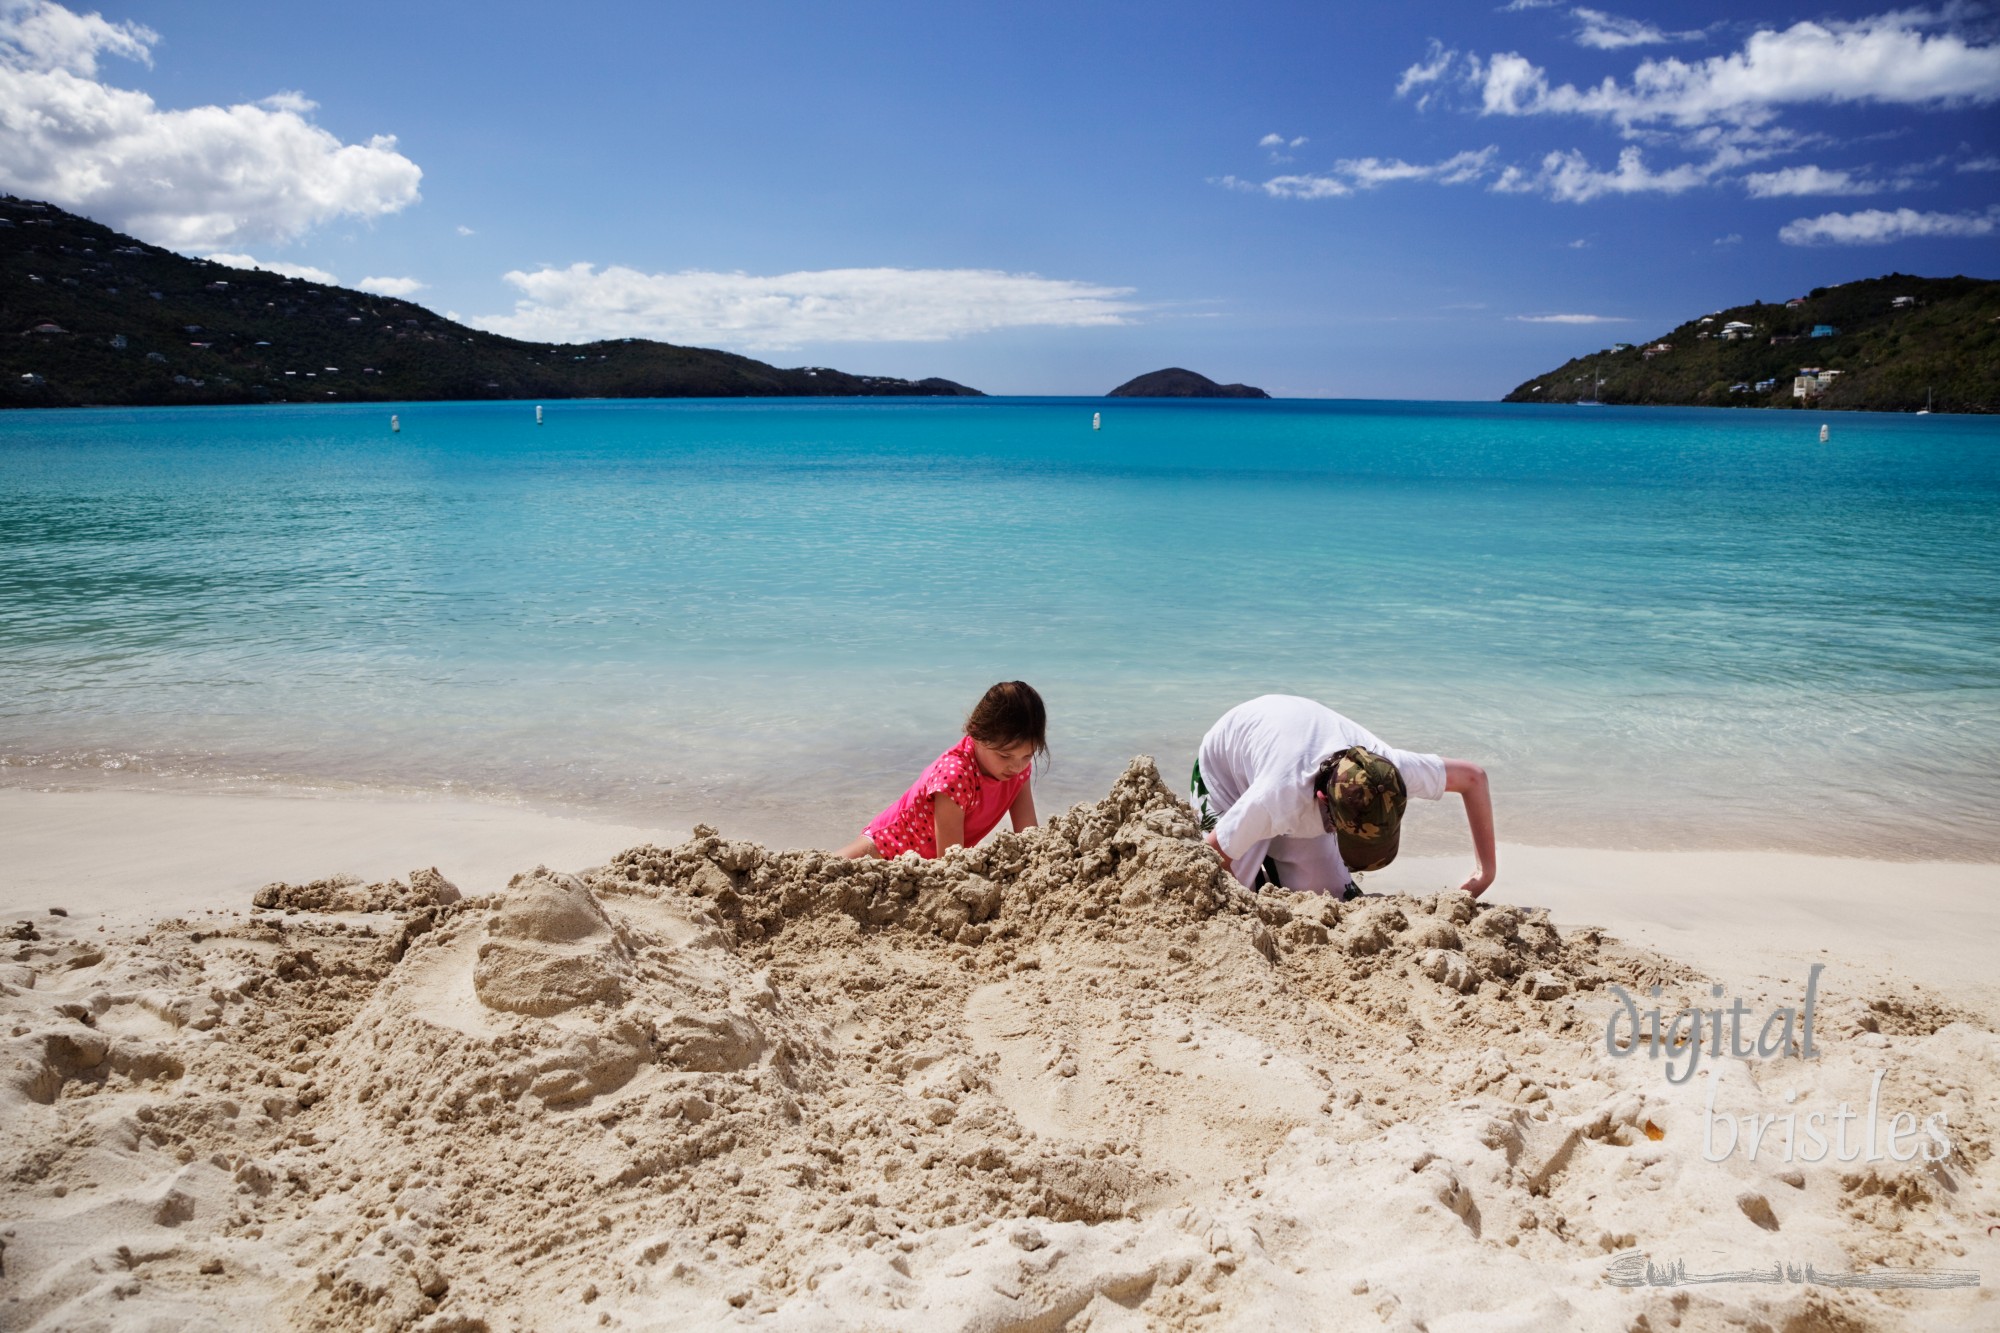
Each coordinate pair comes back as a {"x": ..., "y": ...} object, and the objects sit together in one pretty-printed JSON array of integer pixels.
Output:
[{"x": 962, "y": 795}]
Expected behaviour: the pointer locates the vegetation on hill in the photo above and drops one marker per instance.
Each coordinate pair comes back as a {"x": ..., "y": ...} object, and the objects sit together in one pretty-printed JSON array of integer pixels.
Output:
[
  {"x": 1173, "y": 382},
  {"x": 1897, "y": 342},
  {"x": 89, "y": 316}
]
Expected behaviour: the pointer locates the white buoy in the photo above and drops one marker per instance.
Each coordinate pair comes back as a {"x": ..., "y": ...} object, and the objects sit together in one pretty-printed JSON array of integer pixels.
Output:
[
  {"x": 1822, "y": 433},
  {"x": 538, "y": 414},
  {"x": 1097, "y": 421},
  {"x": 395, "y": 424}
]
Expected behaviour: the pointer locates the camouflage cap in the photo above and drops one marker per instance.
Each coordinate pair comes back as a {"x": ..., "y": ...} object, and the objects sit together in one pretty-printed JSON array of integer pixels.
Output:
[{"x": 1364, "y": 803}]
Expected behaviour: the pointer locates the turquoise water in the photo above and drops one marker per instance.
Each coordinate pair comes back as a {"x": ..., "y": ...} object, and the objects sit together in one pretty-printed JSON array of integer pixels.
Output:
[{"x": 1657, "y": 628}]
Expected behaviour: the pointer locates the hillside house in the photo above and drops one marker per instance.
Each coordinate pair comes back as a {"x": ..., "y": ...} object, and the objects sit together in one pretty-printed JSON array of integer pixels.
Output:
[
  {"x": 48, "y": 328},
  {"x": 1824, "y": 331},
  {"x": 1811, "y": 382},
  {"x": 1736, "y": 329},
  {"x": 1902, "y": 303},
  {"x": 1657, "y": 349},
  {"x": 1765, "y": 386},
  {"x": 1795, "y": 303}
]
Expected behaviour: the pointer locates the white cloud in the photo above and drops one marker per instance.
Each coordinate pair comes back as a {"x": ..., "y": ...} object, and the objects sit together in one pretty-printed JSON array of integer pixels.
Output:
[
  {"x": 1454, "y": 170},
  {"x": 1365, "y": 173},
  {"x": 1876, "y": 226},
  {"x": 1572, "y": 319},
  {"x": 581, "y": 303},
  {"x": 1569, "y": 177},
  {"x": 199, "y": 179},
  {"x": 1889, "y": 58},
  {"x": 1609, "y": 32},
  {"x": 1427, "y": 74},
  {"x": 41, "y": 36},
  {"x": 1580, "y": 243},
  {"x": 1807, "y": 180},
  {"x": 1980, "y": 164},
  {"x": 306, "y": 271},
  {"x": 391, "y": 286},
  {"x": 1276, "y": 144},
  {"x": 1518, "y": 6},
  {"x": 464, "y": 230},
  {"x": 1295, "y": 187},
  {"x": 1733, "y": 238}
]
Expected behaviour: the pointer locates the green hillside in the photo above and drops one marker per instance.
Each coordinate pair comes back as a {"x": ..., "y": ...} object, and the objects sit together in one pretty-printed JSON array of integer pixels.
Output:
[
  {"x": 89, "y": 316},
  {"x": 1897, "y": 340}
]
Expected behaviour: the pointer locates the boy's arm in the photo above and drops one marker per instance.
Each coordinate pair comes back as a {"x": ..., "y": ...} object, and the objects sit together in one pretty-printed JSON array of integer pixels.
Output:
[
  {"x": 1469, "y": 781},
  {"x": 950, "y": 821},
  {"x": 1244, "y": 824},
  {"x": 1022, "y": 812}
]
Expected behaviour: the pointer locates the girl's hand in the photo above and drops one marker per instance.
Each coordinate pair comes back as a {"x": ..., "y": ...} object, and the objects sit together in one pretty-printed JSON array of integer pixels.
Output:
[
  {"x": 1477, "y": 884},
  {"x": 950, "y": 822},
  {"x": 1023, "y": 810}
]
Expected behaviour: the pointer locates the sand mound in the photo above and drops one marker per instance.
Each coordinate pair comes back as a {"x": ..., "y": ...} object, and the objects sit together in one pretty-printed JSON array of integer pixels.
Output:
[
  {"x": 550, "y": 948},
  {"x": 345, "y": 893},
  {"x": 1076, "y": 1078}
]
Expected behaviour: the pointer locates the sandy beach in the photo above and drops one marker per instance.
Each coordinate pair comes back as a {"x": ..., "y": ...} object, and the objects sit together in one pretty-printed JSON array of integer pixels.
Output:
[{"x": 469, "y": 1066}]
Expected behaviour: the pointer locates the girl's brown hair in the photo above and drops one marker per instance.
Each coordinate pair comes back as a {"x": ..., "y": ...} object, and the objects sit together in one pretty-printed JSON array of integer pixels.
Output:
[{"x": 1008, "y": 714}]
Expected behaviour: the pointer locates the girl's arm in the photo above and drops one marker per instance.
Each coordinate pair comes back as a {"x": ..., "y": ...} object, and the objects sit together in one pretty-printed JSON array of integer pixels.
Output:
[
  {"x": 1022, "y": 812},
  {"x": 950, "y": 821},
  {"x": 1469, "y": 781}
]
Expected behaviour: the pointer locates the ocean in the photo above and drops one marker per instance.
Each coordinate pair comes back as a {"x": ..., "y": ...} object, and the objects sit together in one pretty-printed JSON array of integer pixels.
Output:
[{"x": 1656, "y": 628}]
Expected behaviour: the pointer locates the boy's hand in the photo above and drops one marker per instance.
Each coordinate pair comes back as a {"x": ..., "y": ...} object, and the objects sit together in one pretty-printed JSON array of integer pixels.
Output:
[
  {"x": 1209, "y": 838},
  {"x": 1477, "y": 884}
]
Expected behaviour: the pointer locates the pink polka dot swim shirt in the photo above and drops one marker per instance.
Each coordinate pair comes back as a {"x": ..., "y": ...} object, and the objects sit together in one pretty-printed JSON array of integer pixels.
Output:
[{"x": 910, "y": 825}]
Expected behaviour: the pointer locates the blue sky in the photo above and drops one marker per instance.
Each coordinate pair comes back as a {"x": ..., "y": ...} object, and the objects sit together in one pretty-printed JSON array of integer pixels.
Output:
[{"x": 1379, "y": 200}]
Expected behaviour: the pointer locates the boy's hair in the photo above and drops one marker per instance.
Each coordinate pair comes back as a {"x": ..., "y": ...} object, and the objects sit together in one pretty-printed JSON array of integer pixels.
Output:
[{"x": 1009, "y": 713}]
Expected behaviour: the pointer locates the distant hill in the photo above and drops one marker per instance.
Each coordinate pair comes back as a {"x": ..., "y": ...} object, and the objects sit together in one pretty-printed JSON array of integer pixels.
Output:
[
  {"x": 1173, "y": 382},
  {"x": 1892, "y": 341},
  {"x": 91, "y": 316}
]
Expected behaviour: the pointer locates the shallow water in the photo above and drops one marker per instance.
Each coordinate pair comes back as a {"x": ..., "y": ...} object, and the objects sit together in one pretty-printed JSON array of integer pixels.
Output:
[{"x": 1660, "y": 628}]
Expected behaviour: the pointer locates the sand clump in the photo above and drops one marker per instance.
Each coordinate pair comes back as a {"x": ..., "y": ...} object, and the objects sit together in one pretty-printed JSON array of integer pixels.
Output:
[
  {"x": 345, "y": 893},
  {"x": 1076, "y": 1077}
]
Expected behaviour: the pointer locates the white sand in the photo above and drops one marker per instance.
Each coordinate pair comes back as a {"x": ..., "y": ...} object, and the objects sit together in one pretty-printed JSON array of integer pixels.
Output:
[
  {"x": 130, "y": 853},
  {"x": 1745, "y": 916},
  {"x": 1072, "y": 1080}
]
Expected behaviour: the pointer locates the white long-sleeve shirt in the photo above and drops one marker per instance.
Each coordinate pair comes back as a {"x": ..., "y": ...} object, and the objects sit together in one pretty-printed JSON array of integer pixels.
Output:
[{"x": 1258, "y": 762}]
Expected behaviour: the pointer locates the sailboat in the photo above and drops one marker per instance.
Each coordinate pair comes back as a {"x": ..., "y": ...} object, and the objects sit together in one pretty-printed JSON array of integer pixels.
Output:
[
  {"x": 1925, "y": 410},
  {"x": 1823, "y": 433},
  {"x": 1097, "y": 421},
  {"x": 1596, "y": 398}
]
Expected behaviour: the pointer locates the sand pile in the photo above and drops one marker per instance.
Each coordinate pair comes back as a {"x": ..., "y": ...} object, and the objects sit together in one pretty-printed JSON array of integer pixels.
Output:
[{"x": 1074, "y": 1078}]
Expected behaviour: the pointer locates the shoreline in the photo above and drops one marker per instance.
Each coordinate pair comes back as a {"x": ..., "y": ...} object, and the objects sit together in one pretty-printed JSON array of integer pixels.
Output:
[{"x": 1750, "y": 918}]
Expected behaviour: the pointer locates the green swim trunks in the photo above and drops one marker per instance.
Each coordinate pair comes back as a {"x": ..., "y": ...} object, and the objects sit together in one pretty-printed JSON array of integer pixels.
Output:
[{"x": 1198, "y": 798}]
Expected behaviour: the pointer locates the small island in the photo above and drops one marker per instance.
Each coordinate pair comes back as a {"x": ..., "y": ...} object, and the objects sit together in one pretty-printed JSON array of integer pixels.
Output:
[{"x": 1173, "y": 382}]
